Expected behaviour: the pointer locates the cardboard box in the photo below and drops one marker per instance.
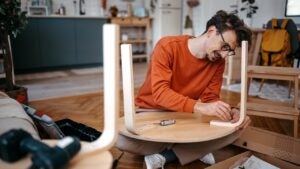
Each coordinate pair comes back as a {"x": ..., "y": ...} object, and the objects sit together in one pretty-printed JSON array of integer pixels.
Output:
[
  {"x": 270, "y": 143},
  {"x": 272, "y": 160}
]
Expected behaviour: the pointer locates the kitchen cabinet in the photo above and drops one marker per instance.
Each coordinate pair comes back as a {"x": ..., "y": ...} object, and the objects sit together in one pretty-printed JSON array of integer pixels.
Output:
[
  {"x": 89, "y": 42},
  {"x": 26, "y": 47},
  {"x": 2, "y": 70},
  {"x": 135, "y": 31},
  {"x": 2, "y": 73},
  {"x": 56, "y": 42}
]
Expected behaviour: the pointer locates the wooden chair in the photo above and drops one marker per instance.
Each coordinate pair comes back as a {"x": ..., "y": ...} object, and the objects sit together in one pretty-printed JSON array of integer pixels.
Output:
[
  {"x": 145, "y": 126},
  {"x": 96, "y": 154},
  {"x": 291, "y": 28},
  {"x": 267, "y": 108}
]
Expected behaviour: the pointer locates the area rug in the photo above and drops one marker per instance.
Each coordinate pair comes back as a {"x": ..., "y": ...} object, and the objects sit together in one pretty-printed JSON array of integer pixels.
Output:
[
  {"x": 70, "y": 85},
  {"x": 71, "y": 82},
  {"x": 270, "y": 90}
]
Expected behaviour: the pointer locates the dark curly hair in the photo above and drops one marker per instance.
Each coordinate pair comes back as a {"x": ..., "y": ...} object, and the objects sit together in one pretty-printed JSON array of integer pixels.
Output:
[{"x": 224, "y": 21}]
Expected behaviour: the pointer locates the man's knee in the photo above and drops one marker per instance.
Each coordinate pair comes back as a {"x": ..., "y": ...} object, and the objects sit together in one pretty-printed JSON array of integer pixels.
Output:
[{"x": 126, "y": 144}]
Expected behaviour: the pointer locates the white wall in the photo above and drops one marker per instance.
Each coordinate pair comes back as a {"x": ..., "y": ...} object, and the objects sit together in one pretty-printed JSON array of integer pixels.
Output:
[
  {"x": 267, "y": 9},
  {"x": 203, "y": 12}
]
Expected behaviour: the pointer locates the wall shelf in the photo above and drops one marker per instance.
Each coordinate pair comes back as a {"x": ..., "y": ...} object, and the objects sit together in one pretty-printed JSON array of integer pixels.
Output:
[{"x": 135, "y": 31}]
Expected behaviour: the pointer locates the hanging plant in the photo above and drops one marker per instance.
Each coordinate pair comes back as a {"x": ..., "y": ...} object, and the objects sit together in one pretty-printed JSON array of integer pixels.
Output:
[
  {"x": 193, "y": 3},
  {"x": 249, "y": 7}
]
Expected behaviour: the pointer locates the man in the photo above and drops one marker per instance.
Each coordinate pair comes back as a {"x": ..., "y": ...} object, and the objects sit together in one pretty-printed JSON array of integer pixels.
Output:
[{"x": 185, "y": 75}]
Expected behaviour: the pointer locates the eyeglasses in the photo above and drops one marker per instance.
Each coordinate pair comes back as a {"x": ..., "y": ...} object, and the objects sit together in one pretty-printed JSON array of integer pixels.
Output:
[{"x": 226, "y": 47}]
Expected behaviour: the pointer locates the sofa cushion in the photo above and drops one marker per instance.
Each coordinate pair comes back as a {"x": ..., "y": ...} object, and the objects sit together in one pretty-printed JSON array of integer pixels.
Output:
[{"x": 13, "y": 116}]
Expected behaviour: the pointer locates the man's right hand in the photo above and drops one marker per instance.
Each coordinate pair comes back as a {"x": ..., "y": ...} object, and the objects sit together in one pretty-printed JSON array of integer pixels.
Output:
[{"x": 219, "y": 109}]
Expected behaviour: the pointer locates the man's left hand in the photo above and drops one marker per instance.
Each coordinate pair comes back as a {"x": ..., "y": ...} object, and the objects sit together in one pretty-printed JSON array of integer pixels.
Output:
[{"x": 235, "y": 114}]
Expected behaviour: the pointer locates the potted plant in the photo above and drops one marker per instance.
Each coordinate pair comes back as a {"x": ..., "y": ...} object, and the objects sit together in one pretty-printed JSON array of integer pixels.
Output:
[
  {"x": 247, "y": 6},
  {"x": 113, "y": 11},
  {"x": 12, "y": 22}
]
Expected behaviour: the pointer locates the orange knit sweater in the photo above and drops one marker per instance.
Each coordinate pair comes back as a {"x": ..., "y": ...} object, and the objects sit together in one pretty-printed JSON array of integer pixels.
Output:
[{"x": 176, "y": 79}]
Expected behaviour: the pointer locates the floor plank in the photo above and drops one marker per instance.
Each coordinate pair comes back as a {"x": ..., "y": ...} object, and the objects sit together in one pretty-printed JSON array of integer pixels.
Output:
[{"x": 88, "y": 109}]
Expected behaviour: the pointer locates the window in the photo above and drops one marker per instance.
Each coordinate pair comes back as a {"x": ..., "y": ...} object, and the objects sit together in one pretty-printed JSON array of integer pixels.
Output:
[{"x": 292, "y": 8}]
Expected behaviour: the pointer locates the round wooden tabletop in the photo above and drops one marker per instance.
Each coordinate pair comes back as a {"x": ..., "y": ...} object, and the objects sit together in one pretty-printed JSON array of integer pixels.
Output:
[
  {"x": 99, "y": 160},
  {"x": 188, "y": 128}
]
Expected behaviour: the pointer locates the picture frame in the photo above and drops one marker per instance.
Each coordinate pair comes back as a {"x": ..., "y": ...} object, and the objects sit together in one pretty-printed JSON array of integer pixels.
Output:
[{"x": 292, "y": 8}]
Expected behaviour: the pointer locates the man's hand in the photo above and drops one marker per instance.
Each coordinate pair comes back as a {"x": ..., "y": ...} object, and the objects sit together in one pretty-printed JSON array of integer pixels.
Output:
[
  {"x": 223, "y": 111},
  {"x": 219, "y": 108},
  {"x": 236, "y": 116}
]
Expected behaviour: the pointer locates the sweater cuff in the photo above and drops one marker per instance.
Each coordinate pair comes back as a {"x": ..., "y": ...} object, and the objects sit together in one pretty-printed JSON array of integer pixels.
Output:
[{"x": 189, "y": 105}]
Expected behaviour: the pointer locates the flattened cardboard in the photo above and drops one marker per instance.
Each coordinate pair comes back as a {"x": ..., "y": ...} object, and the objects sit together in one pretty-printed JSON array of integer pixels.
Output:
[
  {"x": 272, "y": 160},
  {"x": 270, "y": 143}
]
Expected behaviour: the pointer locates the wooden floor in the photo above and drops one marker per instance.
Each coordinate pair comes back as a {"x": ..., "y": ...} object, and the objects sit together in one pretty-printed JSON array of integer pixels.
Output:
[{"x": 88, "y": 109}]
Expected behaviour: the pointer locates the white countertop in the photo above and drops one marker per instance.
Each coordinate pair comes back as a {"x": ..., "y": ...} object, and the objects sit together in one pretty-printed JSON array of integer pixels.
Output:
[{"x": 68, "y": 16}]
